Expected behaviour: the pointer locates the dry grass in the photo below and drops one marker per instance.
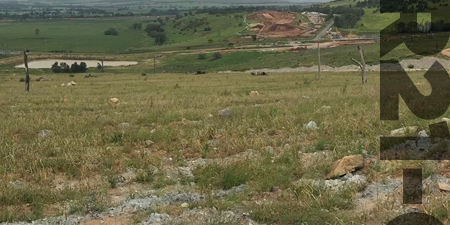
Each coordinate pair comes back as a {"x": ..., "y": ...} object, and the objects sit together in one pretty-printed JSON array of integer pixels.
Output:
[{"x": 89, "y": 148}]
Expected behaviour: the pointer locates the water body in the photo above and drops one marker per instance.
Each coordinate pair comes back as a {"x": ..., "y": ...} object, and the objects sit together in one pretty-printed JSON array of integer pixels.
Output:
[{"x": 47, "y": 63}]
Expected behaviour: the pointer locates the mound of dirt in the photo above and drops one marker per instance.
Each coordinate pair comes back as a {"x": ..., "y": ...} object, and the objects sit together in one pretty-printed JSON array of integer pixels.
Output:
[{"x": 280, "y": 25}]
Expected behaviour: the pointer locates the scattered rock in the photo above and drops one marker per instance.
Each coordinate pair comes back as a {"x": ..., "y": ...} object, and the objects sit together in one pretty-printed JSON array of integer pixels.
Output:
[
  {"x": 149, "y": 143},
  {"x": 210, "y": 116},
  {"x": 381, "y": 189},
  {"x": 199, "y": 163},
  {"x": 270, "y": 150},
  {"x": 45, "y": 133},
  {"x": 114, "y": 101},
  {"x": 224, "y": 193},
  {"x": 311, "y": 125},
  {"x": 186, "y": 172},
  {"x": 274, "y": 189},
  {"x": 444, "y": 186},
  {"x": 431, "y": 184},
  {"x": 424, "y": 142},
  {"x": 349, "y": 180},
  {"x": 423, "y": 134},
  {"x": 212, "y": 143},
  {"x": 62, "y": 85},
  {"x": 287, "y": 146},
  {"x": 18, "y": 184},
  {"x": 42, "y": 79},
  {"x": 156, "y": 218},
  {"x": 346, "y": 165},
  {"x": 71, "y": 83},
  {"x": 185, "y": 205},
  {"x": 324, "y": 108},
  {"x": 308, "y": 160},
  {"x": 124, "y": 126},
  {"x": 404, "y": 130},
  {"x": 254, "y": 94},
  {"x": 226, "y": 112}
]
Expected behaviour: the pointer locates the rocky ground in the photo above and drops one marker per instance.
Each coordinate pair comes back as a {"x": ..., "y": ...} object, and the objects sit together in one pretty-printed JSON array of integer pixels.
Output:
[{"x": 345, "y": 173}]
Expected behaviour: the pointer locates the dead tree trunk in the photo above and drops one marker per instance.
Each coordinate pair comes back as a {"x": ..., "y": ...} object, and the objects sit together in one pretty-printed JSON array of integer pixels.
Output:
[
  {"x": 27, "y": 72},
  {"x": 362, "y": 65},
  {"x": 318, "y": 59}
]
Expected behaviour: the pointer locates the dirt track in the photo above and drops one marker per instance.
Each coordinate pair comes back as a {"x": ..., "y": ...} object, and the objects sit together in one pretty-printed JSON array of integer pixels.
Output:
[{"x": 280, "y": 25}]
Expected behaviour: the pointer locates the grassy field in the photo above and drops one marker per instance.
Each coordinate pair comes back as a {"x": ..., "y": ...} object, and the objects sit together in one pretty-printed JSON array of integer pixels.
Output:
[
  {"x": 90, "y": 142},
  {"x": 373, "y": 23},
  {"x": 72, "y": 36},
  {"x": 87, "y": 36},
  {"x": 242, "y": 61}
]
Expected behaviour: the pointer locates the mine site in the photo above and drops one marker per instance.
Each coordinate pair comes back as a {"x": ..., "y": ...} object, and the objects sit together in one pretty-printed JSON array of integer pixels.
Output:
[{"x": 281, "y": 25}]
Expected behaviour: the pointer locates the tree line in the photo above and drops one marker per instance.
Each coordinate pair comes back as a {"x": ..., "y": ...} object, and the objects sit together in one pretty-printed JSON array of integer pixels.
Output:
[{"x": 65, "y": 68}]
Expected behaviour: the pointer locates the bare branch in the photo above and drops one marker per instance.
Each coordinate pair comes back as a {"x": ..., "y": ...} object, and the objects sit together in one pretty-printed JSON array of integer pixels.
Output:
[{"x": 359, "y": 64}]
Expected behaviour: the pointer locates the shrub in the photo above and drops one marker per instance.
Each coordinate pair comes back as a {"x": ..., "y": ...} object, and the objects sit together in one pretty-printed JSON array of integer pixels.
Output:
[
  {"x": 411, "y": 66},
  {"x": 202, "y": 56},
  {"x": 217, "y": 56},
  {"x": 208, "y": 29},
  {"x": 112, "y": 31}
]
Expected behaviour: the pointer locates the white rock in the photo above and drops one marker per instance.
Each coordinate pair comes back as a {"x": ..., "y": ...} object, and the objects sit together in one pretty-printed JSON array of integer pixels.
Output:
[
  {"x": 446, "y": 119},
  {"x": 254, "y": 94},
  {"x": 185, "y": 205},
  {"x": 114, "y": 101},
  {"x": 311, "y": 125},
  {"x": 45, "y": 133},
  {"x": 404, "y": 130},
  {"x": 149, "y": 143},
  {"x": 423, "y": 134}
]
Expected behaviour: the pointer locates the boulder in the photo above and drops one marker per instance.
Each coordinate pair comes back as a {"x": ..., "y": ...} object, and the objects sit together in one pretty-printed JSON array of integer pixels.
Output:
[
  {"x": 346, "y": 165},
  {"x": 443, "y": 186}
]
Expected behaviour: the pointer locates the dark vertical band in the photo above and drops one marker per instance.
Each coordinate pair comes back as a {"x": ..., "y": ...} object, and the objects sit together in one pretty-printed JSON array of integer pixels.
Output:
[{"x": 412, "y": 186}]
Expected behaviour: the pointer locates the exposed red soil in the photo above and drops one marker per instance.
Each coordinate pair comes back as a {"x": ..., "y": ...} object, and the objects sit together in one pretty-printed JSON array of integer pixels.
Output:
[{"x": 280, "y": 25}]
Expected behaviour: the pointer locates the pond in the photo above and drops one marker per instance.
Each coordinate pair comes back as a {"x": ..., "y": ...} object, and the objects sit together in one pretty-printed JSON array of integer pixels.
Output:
[{"x": 47, "y": 63}]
